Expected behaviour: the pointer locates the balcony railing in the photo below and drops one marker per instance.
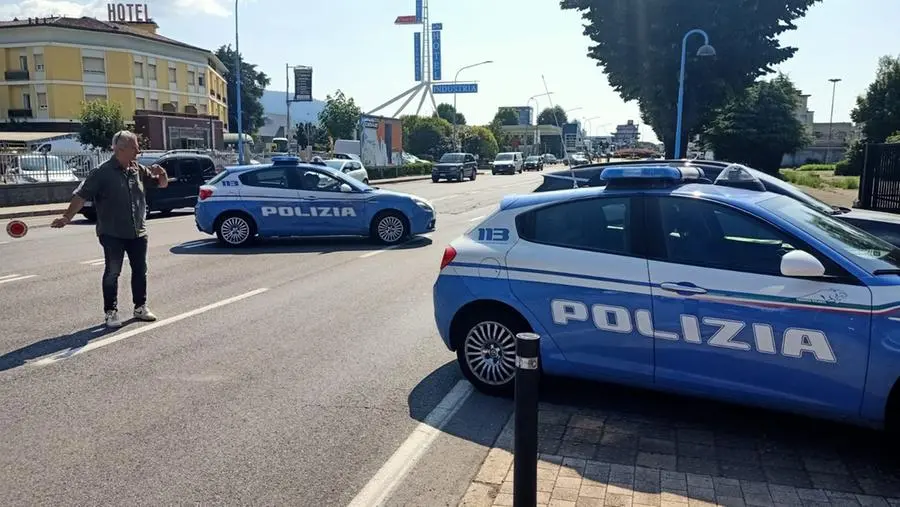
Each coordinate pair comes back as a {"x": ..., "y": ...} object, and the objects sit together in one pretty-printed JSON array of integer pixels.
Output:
[
  {"x": 16, "y": 75},
  {"x": 20, "y": 113}
]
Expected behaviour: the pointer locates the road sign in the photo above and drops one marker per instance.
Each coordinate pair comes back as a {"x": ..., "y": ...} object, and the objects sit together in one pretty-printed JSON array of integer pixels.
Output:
[
  {"x": 455, "y": 88},
  {"x": 437, "y": 26},
  {"x": 406, "y": 20},
  {"x": 16, "y": 228},
  {"x": 417, "y": 52},
  {"x": 435, "y": 55},
  {"x": 418, "y": 11}
]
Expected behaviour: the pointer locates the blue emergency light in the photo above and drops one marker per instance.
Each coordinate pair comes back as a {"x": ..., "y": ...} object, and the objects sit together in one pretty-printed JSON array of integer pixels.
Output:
[
  {"x": 651, "y": 175},
  {"x": 285, "y": 160}
]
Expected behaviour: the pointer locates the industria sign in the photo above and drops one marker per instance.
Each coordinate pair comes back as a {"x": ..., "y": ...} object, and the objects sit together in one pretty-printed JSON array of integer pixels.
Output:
[{"x": 128, "y": 13}]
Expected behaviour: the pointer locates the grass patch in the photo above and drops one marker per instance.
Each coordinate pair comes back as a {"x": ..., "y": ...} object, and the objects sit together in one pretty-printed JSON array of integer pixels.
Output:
[{"x": 822, "y": 178}]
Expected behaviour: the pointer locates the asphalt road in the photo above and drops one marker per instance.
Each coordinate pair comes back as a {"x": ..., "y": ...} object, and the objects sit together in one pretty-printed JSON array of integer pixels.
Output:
[{"x": 285, "y": 373}]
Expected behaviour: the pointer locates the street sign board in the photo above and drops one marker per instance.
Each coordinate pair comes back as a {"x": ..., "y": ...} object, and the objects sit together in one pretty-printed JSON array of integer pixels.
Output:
[
  {"x": 435, "y": 55},
  {"x": 406, "y": 20},
  {"x": 437, "y": 26},
  {"x": 303, "y": 84},
  {"x": 16, "y": 229},
  {"x": 417, "y": 52},
  {"x": 455, "y": 88},
  {"x": 418, "y": 11}
]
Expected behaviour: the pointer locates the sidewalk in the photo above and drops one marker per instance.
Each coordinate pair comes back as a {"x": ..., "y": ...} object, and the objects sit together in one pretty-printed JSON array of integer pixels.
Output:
[{"x": 595, "y": 459}]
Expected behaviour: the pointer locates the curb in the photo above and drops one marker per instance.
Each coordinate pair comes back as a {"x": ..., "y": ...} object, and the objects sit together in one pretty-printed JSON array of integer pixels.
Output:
[
  {"x": 35, "y": 213},
  {"x": 402, "y": 179}
]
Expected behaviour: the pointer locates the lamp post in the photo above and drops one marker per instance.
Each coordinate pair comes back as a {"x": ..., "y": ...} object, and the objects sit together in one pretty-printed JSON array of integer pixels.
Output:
[
  {"x": 834, "y": 82},
  {"x": 237, "y": 67},
  {"x": 705, "y": 50},
  {"x": 455, "y": 134},
  {"x": 536, "y": 137},
  {"x": 590, "y": 129}
]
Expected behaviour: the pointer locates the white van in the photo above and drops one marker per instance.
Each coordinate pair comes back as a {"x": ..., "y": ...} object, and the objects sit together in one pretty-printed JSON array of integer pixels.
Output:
[{"x": 508, "y": 162}]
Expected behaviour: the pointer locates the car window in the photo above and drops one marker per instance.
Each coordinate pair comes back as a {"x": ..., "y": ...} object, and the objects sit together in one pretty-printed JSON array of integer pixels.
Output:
[
  {"x": 271, "y": 177},
  {"x": 337, "y": 165},
  {"x": 190, "y": 170},
  {"x": 704, "y": 233},
  {"x": 314, "y": 181},
  {"x": 208, "y": 168},
  {"x": 600, "y": 224},
  {"x": 504, "y": 156}
]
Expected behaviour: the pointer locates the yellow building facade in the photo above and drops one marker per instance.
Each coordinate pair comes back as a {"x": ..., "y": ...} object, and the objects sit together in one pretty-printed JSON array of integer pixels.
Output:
[{"x": 50, "y": 66}]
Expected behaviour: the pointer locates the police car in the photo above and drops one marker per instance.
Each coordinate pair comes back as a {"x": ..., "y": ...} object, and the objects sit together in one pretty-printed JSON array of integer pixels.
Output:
[
  {"x": 667, "y": 280},
  {"x": 290, "y": 198}
]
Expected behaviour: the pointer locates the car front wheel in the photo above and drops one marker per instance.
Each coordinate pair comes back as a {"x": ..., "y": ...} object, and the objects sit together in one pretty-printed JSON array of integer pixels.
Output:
[{"x": 390, "y": 227}]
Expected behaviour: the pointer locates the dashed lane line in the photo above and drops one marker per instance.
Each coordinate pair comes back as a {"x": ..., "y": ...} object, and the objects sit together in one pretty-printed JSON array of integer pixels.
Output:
[
  {"x": 393, "y": 247},
  {"x": 14, "y": 278}
]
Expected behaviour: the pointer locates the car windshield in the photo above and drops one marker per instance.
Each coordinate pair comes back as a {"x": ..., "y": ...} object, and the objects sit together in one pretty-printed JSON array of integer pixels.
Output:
[
  {"x": 863, "y": 249},
  {"x": 335, "y": 164},
  {"x": 452, "y": 157},
  {"x": 41, "y": 163},
  {"x": 504, "y": 156},
  {"x": 532, "y": 159}
]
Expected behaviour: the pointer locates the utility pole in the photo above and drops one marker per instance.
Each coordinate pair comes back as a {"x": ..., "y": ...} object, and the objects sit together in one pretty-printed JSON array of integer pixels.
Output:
[
  {"x": 287, "y": 102},
  {"x": 834, "y": 82}
]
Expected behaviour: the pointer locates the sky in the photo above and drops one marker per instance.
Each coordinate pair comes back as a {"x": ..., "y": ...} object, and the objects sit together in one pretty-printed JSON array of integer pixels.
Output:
[{"x": 354, "y": 46}]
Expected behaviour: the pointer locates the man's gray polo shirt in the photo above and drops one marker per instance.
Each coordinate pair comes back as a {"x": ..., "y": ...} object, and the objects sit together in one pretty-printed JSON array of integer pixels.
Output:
[{"x": 119, "y": 196}]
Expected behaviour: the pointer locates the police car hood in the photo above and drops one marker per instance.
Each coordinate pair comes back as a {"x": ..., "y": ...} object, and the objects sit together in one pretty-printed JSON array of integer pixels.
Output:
[
  {"x": 378, "y": 192},
  {"x": 871, "y": 216}
]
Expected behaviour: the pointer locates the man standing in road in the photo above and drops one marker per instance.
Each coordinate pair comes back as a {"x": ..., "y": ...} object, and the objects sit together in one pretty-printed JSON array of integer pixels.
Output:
[{"x": 117, "y": 190}]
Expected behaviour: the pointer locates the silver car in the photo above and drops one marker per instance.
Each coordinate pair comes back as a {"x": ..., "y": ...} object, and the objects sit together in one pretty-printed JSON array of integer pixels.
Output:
[{"x": 352, "y": 168}]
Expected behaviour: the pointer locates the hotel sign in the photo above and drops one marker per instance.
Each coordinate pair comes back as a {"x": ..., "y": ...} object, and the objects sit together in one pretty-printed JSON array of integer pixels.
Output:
[{"x": 128, "y": 13}]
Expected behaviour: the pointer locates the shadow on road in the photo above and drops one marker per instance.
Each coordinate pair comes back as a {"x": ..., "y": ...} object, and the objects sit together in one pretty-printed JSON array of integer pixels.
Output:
[
  {"x": 293, "y": 245},
  {"x": 50, "y": 346}
]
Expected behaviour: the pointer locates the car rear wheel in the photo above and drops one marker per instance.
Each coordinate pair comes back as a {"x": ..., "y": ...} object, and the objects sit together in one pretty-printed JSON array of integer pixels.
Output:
[
  {"x": 390, "y": 227},
  {"x": 235, "y": 229},
  {"x": 435, "y": 180},
  {"x": 487, "y": 352},
  {"x": 474, "y": 174}
]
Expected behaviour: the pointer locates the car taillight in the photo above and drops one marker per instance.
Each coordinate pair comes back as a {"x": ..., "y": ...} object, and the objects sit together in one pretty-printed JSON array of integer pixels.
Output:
[
  {"x": 205, "y": 193},
  {"x": 449, "y": 255}
]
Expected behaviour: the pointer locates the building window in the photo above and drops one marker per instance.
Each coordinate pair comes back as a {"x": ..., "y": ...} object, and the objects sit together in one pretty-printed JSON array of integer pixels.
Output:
[
  {"x": 42, "y": 101},
  {"x": 39, "y": 63},
  {"x": 139, "y": 70},
  {"x": 139, "y": 103},
  {"x": 26, "y": 100},
  {"x": 93, "y": 65},
  {"x": 201, "y": 109},
  {"x": 191, "y": 77},
  {"x": 154, "y": 104},
  {"x": 151, "y": 71},
  {"x": 172, "y": 78},
  {"x": 92, "y": 98},
  {"x": 201, "y": 81},
  {"x": 23, "y": 62}
]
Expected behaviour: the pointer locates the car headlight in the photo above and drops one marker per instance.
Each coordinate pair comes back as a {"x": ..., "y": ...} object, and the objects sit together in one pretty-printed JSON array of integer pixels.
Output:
[{"x": 422, "y": 203}]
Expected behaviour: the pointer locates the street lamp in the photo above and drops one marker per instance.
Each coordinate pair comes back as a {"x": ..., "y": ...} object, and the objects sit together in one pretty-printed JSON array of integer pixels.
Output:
[
  {"x": 704, "y": 51},
  {"x": 834, "y": 82},
  {"x": 590, "y": 129},
  {"x": 455, "y": 134},
  {"x": 535, "y": 137},
  {"x": 237, "y": 67}
]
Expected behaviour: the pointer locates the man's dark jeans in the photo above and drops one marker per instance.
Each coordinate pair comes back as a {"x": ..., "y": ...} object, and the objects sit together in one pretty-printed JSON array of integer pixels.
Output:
[{"x": 114, "y": 250}]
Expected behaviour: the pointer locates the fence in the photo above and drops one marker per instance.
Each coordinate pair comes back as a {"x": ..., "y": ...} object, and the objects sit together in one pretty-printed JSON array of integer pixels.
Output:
[{"x": 879, "y": 185}]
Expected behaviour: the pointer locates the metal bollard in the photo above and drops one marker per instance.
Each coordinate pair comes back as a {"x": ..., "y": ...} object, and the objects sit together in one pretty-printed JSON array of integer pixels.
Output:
[{"x": 525, "y": 452}]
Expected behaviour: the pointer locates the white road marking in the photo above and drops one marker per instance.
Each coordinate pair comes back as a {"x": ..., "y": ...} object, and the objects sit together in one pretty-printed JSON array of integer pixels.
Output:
[
  {"x": 444, "y": 197},
  {"x": 477, "y": 218},
  {"x": 392, "y": 247},
  {"x": 3, "y": 242},
  {"x": 93, "y": 262},
  {"x": 198, "y": 243},
  {"x": 15, "y": 278},
  {"x": 109, "y": 340},
  {"x": 410, "y": 451}
]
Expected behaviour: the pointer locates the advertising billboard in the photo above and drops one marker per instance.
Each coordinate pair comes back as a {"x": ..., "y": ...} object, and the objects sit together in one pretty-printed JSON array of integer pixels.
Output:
[
  {"x": 303, "y": 84},
  {"x": 381, "y": 141},
  {"x": 436, "y": 55},
  {"x": 417, "y": 54}
]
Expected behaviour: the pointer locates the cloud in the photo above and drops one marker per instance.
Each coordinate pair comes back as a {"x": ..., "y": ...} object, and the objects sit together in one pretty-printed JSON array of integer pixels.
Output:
[{"x": 97, "y": 8}]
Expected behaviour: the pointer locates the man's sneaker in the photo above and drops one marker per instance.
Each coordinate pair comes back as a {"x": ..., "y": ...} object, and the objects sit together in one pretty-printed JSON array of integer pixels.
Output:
[
  {"x": 112, "y": 319},
  {"x": 144, "y": 313}
]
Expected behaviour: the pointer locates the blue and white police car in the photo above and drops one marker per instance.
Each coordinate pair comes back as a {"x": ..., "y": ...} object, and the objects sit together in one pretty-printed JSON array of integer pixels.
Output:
[
  {"x": 667, "y": 280},
  {"x": 291, "y": 198}
]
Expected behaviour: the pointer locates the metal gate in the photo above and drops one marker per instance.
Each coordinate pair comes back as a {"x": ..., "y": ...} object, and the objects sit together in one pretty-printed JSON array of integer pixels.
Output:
[{"x": 879, "y": 185}]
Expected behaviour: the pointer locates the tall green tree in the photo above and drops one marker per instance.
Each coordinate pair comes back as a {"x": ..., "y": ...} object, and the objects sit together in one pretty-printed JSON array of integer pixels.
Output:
[
  {"x": 506, "y": 116},
  {"x": 340, "y": 117},
  {"x": 447, "y": 112},
  {"x": 879, "y": 108},
  {"x": 253, "y": 84},
  {"x": 100, "y": 120},
  {"x": 758, "y": 127},
  {"x": 431, "y": 137},
  {"x": 479, "y": 141},
  {"x": 547, "y": 116},
  {"x": 638, "y": 44},
  {"x": 310, "y": 133}
]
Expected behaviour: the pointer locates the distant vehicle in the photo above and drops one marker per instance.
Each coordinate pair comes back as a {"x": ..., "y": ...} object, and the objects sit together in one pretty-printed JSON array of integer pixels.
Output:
[
  {"x": 345, "y": 156},
  {"x": 455, "y": 166},
  {"x": 350, "y": 167},
  {"x": 550, "y": 158},
  {"x": 507, "y": 163},
  {"x": 292, "y": 198},
  {"x": 533, "y": 163},
  {"x": 40, "y": 168}
]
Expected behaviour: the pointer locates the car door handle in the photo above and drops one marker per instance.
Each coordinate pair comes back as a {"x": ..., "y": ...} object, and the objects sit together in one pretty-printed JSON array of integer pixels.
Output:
[
  {"x": 682, "y": 288},
  {"x": 310, "y": 198}
]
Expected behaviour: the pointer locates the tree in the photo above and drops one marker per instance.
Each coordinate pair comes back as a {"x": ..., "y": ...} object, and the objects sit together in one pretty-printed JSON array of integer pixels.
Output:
[
  {"x": 480, "y": 141},
  {"x": 638, "y": 44},
  {"x": 100, "y": 120},
  {"x": 506, "y": 116},
  {"x": 547, "y": 117},
  {"x": 340, "y": 117},
  {"x": 879, "y": 109},
  {"x": 253, "y": 83},
  {"x": 446, "y": 111},
  {"x": 430, "y": 137},
  {"x": 309, "y": 133},
  {"x": 758, "y": 127}
]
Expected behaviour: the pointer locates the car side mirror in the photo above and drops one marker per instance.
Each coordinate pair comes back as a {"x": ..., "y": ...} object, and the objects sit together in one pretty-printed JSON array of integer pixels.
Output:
[
  {"x": 345, "y": 188},
  {"x": 798, "y": 263}
]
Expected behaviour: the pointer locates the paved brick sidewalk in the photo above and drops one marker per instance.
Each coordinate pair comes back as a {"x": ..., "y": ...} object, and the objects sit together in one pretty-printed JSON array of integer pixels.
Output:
[{"x": 620, "y": 459}]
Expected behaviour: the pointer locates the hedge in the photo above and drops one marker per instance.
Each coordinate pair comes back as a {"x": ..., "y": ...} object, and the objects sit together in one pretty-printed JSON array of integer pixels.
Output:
[
  {"x": 398, "y": 171},
  {"x": 815, "y": 167}
]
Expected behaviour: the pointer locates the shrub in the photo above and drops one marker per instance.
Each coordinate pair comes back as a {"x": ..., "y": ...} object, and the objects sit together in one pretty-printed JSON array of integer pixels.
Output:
[
  {"x": 815, "y": 167},
  {"x": 842, "y": 168},
  {"x": 399, "y": 171},
  {"x": 806, "y": 179}
]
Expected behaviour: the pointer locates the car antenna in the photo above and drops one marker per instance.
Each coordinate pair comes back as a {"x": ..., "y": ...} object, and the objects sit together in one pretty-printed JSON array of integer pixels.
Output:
[{"x": 562, "y": 140}]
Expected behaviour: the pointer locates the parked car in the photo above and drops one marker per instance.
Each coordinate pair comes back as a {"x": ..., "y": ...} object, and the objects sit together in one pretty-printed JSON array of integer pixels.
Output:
[
  {"x": 455, "y": 166},
  {"x": 550, "y": 159},
  {"x": 533, "y": 163},
  {"x": 40, "y": 168},
  {"x": 507, "y": 163},
  {"x": 350, "y": 167}
]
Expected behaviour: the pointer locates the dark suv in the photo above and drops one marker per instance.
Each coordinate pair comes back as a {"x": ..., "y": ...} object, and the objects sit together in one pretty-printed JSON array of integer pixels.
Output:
[
  {"x": 186, "y": 170},
  {"x": 455, "y": 166}
]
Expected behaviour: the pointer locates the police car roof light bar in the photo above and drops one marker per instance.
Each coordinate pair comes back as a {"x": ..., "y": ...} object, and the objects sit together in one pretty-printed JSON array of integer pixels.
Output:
[
  {"x": 285, "y": 160},
  {"x": 657, "y": 174}
]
